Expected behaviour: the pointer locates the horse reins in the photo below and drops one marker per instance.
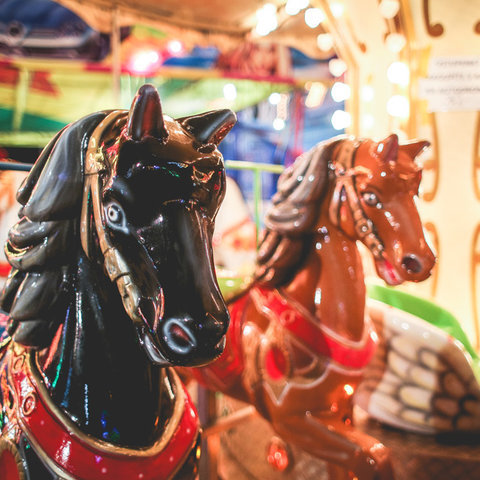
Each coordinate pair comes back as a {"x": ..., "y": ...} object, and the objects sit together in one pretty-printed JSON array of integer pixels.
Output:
[
  {"x": 115, "y": 265},
  {"x": 346, "y": 186}
]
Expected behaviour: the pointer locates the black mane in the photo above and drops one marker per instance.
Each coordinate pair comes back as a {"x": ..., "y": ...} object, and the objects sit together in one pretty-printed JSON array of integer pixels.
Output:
[{"x": 40, "y": 246}]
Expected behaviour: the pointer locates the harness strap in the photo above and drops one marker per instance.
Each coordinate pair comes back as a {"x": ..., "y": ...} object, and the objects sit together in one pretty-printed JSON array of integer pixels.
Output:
[
  {"x": 345, "y": 187},
  {"x": 320, "y": 340},
  {"x": 73, "y": 455},
  {"x": 115, "y": 265}
]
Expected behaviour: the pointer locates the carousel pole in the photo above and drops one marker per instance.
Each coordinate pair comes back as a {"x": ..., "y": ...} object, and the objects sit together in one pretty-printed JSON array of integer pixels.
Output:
[
  {"x": 116, "y": 60},
  {"x": 20, "y": 98}
]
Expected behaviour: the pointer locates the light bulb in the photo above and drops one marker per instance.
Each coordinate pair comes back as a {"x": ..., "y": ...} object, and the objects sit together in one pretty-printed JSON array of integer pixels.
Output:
[
  {"x": 279, "y": 124},
  {"x": 398, "y": 73},
  {"x": 389, "y": 8},
  {"x": 293, "y": 7},
  {"x": 341, "y": 120},
  {"x": 398, "y": 106},
  {"x": 340, "y": 91},
  {"x": 395, "y": 42},
  {"x": 274, "y": 98},
  {"x": 337, "y": 9},
  {"x": 337, "y": 67},
  {"x": 314, "y": 17},
  {"x": 230, "y": 91},
  {"x": 266, "y": 19},
  {"x": 325, "y": 42}
]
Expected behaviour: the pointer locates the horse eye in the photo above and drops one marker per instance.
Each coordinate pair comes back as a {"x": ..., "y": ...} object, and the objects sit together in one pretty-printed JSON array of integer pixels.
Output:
[
  {"x": 114, "y": 214},
  {"x": 371, "y": 199}
]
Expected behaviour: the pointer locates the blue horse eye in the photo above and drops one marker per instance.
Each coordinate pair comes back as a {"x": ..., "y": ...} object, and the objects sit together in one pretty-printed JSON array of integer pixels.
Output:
[{"x": 114, "y": 214}]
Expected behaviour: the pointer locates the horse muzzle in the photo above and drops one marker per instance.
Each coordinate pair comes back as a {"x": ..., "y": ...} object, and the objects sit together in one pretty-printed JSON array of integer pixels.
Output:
[
  {"x": 410, "y": 267},
  {"x": 183, "y": 341}
]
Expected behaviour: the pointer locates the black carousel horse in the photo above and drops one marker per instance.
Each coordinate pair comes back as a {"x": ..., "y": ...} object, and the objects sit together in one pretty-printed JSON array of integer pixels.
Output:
[{"x": 112, "y": 283}]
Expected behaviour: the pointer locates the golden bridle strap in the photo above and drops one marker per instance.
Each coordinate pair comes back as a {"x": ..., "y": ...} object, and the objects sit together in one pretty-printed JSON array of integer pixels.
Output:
[
  {"x": 345, "y": 185},
  {"x": 115, "y": 265}
]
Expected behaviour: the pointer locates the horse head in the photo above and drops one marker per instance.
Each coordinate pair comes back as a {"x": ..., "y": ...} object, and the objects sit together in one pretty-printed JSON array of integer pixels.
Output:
[
  {"x": 374, "y": 201},
  {"x": 142, "y": 194}
]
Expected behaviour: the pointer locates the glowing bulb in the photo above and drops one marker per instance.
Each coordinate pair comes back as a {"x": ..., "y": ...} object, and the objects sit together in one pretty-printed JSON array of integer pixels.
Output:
[
  {"x": 398, "y": 73},
  {"x": 398, "y": 106},
  {"x": 389, "y": 8},
  {"x": 341, "y": 120},
  {"x": 144, "y": 61},
  {"x": 314, "y": 17},
  {"x": 293, "y": 7},
  {"x": 279, "y": 124},
  {"x": 395, "y": 42},
  {"x": 325, "y": 42},
  {"x": 274, "y": 98},
  {"x": 266, "y": 19},
  {"x": 175, "y": 47},
  {"x": 368, "y": 93},
  {"x": 337, "y": 9},
  {"x": 340, "y": 91},
  {"x": 337, "y": 67},
  {"x": 230, "y": 91}
]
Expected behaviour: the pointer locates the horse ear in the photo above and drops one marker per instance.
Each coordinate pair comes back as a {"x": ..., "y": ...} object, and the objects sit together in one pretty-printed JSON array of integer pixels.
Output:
[
  {"x": 145, "y": 118},
  {"x": 387, "y": 149},
  {"x": 412, "y": 149},
  {"x": 57, "y": 194},
  {"x": 209, "y": 127}
]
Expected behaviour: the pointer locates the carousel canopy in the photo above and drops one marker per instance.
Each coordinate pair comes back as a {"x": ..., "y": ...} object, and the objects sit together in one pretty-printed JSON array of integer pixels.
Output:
[
  {"x": 61, "y": 60},
  {"x": 208, "y": 22}
]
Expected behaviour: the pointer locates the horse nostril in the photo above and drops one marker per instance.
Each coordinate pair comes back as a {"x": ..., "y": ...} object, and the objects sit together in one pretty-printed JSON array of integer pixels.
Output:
[
  {"x": 411, "y": 264},
  {"x": 178, "y": 337}
]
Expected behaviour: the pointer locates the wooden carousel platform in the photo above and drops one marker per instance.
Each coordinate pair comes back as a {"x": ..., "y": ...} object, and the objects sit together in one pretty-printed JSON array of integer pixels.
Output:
[{"x": 245, "y": 452}]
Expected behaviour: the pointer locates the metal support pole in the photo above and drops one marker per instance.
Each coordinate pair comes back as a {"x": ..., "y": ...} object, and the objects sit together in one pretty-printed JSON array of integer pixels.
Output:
[{"x": 116, "y": 60}]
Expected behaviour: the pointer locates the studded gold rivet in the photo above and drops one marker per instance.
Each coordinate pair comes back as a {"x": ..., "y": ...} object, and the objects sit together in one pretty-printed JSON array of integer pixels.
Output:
[{"x": 29, "y": 404}]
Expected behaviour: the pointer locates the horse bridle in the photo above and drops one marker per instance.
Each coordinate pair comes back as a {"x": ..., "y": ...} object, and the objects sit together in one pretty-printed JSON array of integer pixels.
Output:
[
  {"x": 346, "y": 186},
  {"x": 115, "y": 265}
]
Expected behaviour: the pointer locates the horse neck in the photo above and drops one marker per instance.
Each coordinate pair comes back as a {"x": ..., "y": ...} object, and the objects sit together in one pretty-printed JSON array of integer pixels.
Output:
[
  {"x": 331, "y": 282},
  {"x": 95, "y": 369}
]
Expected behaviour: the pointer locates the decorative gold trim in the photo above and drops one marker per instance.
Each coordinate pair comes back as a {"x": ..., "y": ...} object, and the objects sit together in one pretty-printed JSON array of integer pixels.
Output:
[
  {"x": 115, "y": 265},
  {"x": 435, "y": 30},
  {"x": 94, "y": 165},
  {"x": 433, "y": 234},
  {"x": 434, "y": 163},
  {"x": 35, "y": 375},
  {"x": 474, "y": 263},
  {"x": 29, "y": 403},
  {"x": 476, "y": 157}
]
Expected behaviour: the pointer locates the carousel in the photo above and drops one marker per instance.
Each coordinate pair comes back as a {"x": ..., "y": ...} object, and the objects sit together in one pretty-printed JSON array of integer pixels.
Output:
[{"x": 241, "y": 241}]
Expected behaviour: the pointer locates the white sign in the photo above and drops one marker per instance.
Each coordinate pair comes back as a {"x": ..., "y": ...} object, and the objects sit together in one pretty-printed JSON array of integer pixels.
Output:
[{"x": 453, "y": 84}]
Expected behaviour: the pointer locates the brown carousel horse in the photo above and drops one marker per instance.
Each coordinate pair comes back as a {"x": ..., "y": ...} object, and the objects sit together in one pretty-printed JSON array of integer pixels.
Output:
[
  {"x": 299, "y": 340},
  {"x": 112, "y": 284}
]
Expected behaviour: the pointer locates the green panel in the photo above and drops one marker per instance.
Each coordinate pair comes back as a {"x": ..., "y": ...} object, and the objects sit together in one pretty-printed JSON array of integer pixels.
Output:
[
  {"x": 207, "y": 94},
  {"x": 6, "y": 119},
  {"x": 34, "y": 123}
]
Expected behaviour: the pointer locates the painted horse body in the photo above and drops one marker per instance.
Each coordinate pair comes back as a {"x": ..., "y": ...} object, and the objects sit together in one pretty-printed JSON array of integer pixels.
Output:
[
  {"x": 112, "y": 283},
  {"x": 299, "y": 341}
]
